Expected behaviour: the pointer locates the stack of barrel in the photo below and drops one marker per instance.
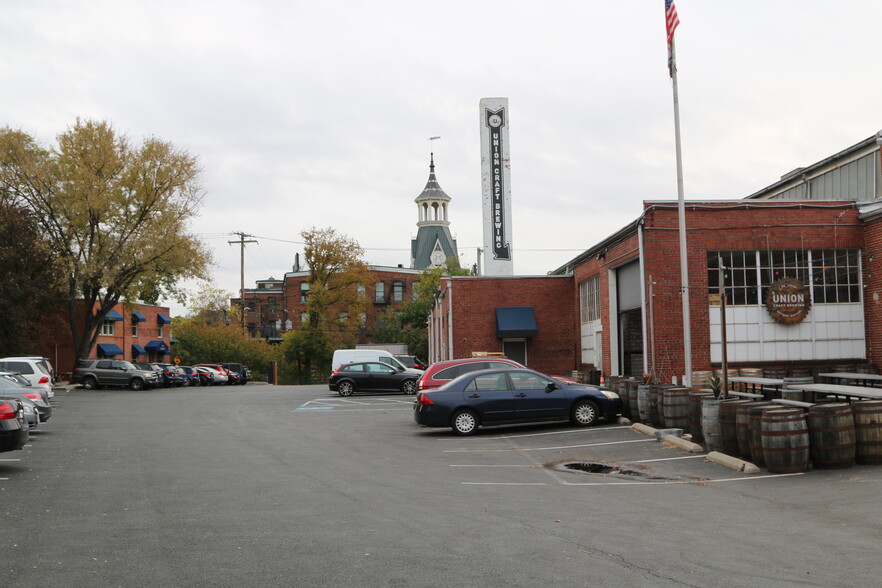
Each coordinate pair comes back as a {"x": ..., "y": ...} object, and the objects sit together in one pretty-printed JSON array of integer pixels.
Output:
[{"x": 788, "y": 440}]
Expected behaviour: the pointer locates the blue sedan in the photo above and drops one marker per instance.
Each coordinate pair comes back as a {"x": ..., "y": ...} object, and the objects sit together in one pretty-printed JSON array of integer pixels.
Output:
[{"x": 505, "y": 396}]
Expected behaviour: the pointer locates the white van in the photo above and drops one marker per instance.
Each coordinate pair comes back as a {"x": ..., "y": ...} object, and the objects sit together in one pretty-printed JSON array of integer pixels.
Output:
[{"x": 344, "y": 356}]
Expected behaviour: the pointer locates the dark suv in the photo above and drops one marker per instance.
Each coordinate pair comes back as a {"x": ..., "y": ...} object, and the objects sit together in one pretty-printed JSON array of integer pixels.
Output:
[
  {"x": 95, "y": 373},
  {"x": 244, "y": 372}
]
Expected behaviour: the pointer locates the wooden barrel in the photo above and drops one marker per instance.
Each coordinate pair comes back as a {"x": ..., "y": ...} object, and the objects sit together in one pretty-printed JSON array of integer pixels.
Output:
[
  {"x": 868, "y": 431},
  {"x": 774, "y": 372},
  {"x": 831, "y": 435},
  {"x": 728, "y": 435},
  {"x": 701, "y": 378},
  {"x": 633, "y": 387},
  {"x": 754, "y": 431},
  {"x": 799, "y": 372},
  {"x": 742, "y": 414},
  {"x": 749, "y": 372},
  {"x": 644, "y": 409},
  {"x": 710, "y": 423},
  {"x": 622, "y": 391},
  {"x": 695, "y": 400},
  {"x": 676, "y": 408},
  {"x": 785, "y": 441}
]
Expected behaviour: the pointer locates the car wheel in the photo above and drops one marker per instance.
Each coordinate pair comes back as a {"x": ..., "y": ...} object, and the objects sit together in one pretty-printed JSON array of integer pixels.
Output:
[
  {"x": 186, "y": 382},
  {"x": 136, "y": 384},
  {"x": 90, "y": 383},
  {"x": 345, "y": 388},
  {"x": 409, "y": 387},
  {"x": 585, "y": 413},
  {"x": 464, "y": 422}
]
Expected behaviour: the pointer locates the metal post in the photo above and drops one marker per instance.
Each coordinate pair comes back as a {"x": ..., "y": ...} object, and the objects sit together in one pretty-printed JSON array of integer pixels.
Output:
[{"x": 242, "y": 243}]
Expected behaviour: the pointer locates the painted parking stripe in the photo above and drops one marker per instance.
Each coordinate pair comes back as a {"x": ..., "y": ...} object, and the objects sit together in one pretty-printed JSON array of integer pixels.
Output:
[
  {"x": 564, "y": 432},
  {"x": 548, "y": 448},
  {"x": 10, "y": 459},
  {"x": 315, "y": 408},
  {"x": 670, "y": 458},
  {"x": 645, "y": 484}
]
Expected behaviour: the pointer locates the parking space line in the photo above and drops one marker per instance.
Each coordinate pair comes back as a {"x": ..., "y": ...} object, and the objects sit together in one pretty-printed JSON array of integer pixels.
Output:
[
  {"x": 504, "y": 483},
  {"x": 548, "y": 448},
  {"x": 669, "y": 458},
  {"x": 477, "y": 465},
  {"x": 10, "y": 459},
  {"x": 645, "y": 483},
  {"x": 566, "y": 432}
]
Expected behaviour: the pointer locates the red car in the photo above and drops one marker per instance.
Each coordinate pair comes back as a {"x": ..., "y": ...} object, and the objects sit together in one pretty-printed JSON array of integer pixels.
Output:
[{"x": 441, "y": 372}]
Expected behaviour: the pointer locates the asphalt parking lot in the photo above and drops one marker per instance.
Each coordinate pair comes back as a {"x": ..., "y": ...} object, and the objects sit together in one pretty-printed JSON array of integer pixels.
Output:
[{"x": 294, "y": 486}]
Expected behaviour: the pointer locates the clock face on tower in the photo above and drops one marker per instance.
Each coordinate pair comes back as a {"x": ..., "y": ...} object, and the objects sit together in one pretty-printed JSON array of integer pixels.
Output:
[{"x": 438, "y": 257}]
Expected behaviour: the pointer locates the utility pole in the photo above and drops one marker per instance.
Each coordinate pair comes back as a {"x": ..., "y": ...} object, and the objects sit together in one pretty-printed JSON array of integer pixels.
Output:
[{"x": 241, "y": 242}]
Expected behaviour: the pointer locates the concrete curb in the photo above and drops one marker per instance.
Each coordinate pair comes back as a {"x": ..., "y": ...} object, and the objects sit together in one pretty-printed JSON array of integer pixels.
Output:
[
  {"x": 645, "y": 429},
  {"x": 683, "y": 444},
  {"x": 739, "y": 465}
]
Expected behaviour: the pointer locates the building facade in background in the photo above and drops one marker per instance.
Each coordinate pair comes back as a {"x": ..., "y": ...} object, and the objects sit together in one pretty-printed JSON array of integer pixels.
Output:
[{"x": 796, "y": 262}]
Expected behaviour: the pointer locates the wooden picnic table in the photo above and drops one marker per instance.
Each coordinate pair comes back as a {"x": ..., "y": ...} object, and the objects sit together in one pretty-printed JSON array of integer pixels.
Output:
[
  {"x": 754, "y": 382},
  {"x": 857, "y": 376},
  {"x": 849, "y": 392}
]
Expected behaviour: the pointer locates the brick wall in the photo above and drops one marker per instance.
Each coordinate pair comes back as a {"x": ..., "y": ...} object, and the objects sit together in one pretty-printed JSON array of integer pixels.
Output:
[{"x": 473, "y": 300}]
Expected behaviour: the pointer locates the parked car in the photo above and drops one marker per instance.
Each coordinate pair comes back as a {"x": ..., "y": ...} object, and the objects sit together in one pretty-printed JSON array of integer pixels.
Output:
[
  {"x": 344, "y": 356},
  {"x": 371, "y": 376},
  {"x": 13, "y": 428},
  {"x": 171, "y": 378},
  {"x": 411, "y": 361},
  {"x": 505, "y": 396},
  {"x": 216, "y": 377},
  {"x": 10, "y": 390},
  {"x": 31, "y": 415},
  {"x": 35, "y": 369},
  {"x": 192, "y": 376},
  {"x": 244, "y": 372},
  {"x": 232, "y": 378},
  {"x": 95, "y": 373},
  {"x": 16, "y": 377},
  {"x": 441, "y": 372}
]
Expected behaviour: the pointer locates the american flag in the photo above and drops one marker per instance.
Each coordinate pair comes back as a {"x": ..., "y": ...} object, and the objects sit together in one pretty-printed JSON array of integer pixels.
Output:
[{"x": 671, "y": 19}]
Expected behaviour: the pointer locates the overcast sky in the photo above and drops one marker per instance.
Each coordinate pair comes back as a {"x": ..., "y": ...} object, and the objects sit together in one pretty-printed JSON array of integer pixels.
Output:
[{"x": 318, "y": 113}]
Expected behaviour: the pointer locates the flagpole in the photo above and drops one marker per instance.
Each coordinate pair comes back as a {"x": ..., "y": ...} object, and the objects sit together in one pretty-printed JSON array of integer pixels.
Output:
[{"x": 681, "y": 212}]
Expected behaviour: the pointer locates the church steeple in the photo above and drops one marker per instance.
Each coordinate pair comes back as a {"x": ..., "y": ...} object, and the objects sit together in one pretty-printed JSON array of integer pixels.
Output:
[
  {"x": 433, "y": 244},
  {"x": 432, "y": 202}
]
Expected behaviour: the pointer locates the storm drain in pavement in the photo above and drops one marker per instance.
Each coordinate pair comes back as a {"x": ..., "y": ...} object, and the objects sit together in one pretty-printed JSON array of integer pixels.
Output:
[{"x": 616, "y": 471}]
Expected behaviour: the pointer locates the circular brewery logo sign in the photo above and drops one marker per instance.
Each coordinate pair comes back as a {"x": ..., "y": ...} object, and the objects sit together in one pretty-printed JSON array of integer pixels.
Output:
[{"x": 788, "y": 301}]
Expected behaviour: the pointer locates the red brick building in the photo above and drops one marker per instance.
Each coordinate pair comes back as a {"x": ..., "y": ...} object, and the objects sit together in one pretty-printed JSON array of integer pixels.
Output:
[
  {"x": 819, "y": 227},
  {"x": 141, "y": 333},
  {"x": 277, "y": 306}
]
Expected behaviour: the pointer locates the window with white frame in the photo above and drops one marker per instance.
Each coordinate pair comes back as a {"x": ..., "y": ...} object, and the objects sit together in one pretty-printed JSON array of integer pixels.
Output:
[
  {"x": 589, "y": 299},
  {"x": 304, "y": 291},
  {"x": 415, "y": 291},
  {"x": 160, "y": 329},
  {"x": 134, "y": 328},
  {"x": 107, "y": 328}
]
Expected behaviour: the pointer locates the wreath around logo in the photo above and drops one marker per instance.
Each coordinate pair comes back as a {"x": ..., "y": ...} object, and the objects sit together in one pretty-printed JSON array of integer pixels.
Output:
[{"x": 788, "y": 301}]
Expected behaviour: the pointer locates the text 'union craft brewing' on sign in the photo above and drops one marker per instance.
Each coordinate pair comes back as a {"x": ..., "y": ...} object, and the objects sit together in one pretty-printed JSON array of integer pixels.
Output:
[
  {"x": 788, "y": 301},
  {"x": 496, "y": 187}
]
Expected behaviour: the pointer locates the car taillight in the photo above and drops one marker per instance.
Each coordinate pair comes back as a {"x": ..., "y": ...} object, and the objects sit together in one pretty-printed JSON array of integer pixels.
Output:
[
  {"x": 44, "y": 380},
  {"x": 336, "y": 371},
  {"x": 33, "y": 396},
  {"x": 424, "y": 400},
  {"x": 7, "y": 411}
]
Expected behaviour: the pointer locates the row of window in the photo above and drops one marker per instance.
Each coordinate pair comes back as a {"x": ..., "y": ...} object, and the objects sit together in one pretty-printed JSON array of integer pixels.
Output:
[
  {"x": 398, "y": 288},
  {"x": 833, "y": 276},
  {"x": 108, "y": 328}
]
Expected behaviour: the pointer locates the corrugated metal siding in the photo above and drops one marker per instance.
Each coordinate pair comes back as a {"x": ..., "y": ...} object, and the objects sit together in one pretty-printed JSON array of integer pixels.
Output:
[{"x": 853, "y": 181}]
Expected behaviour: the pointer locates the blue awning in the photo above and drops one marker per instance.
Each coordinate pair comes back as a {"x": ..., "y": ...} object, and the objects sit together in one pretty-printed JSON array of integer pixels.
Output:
[
  {"x": 137, "y": 317},
  {"x": 515, "y": 322},
  {"x": 162, "y": 319},
  {"x": 112, "y": 316},
  {"x": 137, "y": 350},
  {"x": 109, "y": 349},
  {"x": 157, "y": 346}
]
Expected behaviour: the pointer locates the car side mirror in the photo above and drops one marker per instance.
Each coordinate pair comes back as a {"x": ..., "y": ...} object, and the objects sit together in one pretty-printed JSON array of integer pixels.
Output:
[{"x": 551, "y": 387}]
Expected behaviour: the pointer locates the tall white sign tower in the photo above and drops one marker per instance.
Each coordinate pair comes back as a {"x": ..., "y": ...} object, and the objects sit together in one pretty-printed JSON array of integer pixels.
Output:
[{"x": 496, "y": 187}]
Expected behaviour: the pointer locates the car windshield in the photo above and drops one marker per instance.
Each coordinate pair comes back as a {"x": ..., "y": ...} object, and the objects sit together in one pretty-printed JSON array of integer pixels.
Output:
[
  {"x": 10, "y": 379},
  {"x": 127, "y": 365}
]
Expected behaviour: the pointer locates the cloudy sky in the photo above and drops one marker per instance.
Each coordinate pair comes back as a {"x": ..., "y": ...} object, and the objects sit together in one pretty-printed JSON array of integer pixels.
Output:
[{"x": 318, "y": 113}]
